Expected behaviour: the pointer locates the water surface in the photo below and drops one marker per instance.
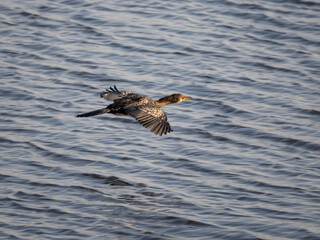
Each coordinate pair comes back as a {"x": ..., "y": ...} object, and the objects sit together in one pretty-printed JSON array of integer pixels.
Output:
[{"x": 242, "y": 161}]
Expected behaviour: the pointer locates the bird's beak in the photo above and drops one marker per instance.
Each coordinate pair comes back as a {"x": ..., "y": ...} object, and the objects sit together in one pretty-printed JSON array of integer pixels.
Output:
[{"x": 186, "y": 98}]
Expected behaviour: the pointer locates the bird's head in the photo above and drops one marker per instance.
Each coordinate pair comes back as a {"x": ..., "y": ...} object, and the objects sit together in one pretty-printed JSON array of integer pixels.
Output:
[
  {"x": 174, "y": 98},
  {"x": 178, "y": 97}
]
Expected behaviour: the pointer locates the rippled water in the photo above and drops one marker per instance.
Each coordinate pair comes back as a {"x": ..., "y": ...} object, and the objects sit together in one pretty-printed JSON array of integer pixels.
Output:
[{"x": 243, "y": 160}]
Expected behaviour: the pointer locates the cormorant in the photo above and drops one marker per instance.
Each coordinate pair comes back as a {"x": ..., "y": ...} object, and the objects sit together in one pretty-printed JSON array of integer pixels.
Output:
[{"x": 144, "y": 109}]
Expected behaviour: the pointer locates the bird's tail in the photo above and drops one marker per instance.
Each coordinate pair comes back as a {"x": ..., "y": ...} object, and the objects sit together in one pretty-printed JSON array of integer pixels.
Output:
[{"x": 94, "y": 113}]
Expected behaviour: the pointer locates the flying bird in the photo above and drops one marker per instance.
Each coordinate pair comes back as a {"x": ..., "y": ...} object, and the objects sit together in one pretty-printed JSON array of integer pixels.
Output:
[{"x": 144, "y": 109}]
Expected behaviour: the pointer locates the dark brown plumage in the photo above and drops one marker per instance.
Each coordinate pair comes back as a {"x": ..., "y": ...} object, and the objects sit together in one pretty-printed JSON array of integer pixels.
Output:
[{"x": 144, "y": 109}]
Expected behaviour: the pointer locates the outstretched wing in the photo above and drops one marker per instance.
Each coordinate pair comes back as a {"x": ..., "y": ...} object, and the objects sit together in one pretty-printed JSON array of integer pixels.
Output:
[
  {"x": 113, "y": 94},
  {"x": 150, "y": 116}
]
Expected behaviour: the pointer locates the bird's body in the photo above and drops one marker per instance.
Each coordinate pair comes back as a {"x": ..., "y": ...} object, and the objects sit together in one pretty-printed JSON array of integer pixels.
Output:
[{"x": 144, "y": 109}]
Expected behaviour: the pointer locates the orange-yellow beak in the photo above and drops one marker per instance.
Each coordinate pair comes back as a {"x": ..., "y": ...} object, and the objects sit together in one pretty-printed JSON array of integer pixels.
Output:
[{"x": 186, "y": 98}]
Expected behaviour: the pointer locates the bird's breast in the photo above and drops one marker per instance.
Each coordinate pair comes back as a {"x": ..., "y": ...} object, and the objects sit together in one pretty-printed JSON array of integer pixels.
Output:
[{"x": 120, "y": 114}]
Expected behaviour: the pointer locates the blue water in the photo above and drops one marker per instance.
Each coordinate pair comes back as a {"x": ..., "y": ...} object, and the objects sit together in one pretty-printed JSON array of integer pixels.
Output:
[{"x": 242, "y": 161}]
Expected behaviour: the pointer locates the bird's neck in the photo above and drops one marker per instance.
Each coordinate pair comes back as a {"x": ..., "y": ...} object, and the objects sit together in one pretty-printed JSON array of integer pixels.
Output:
[{"x": 162, "y": 102}]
